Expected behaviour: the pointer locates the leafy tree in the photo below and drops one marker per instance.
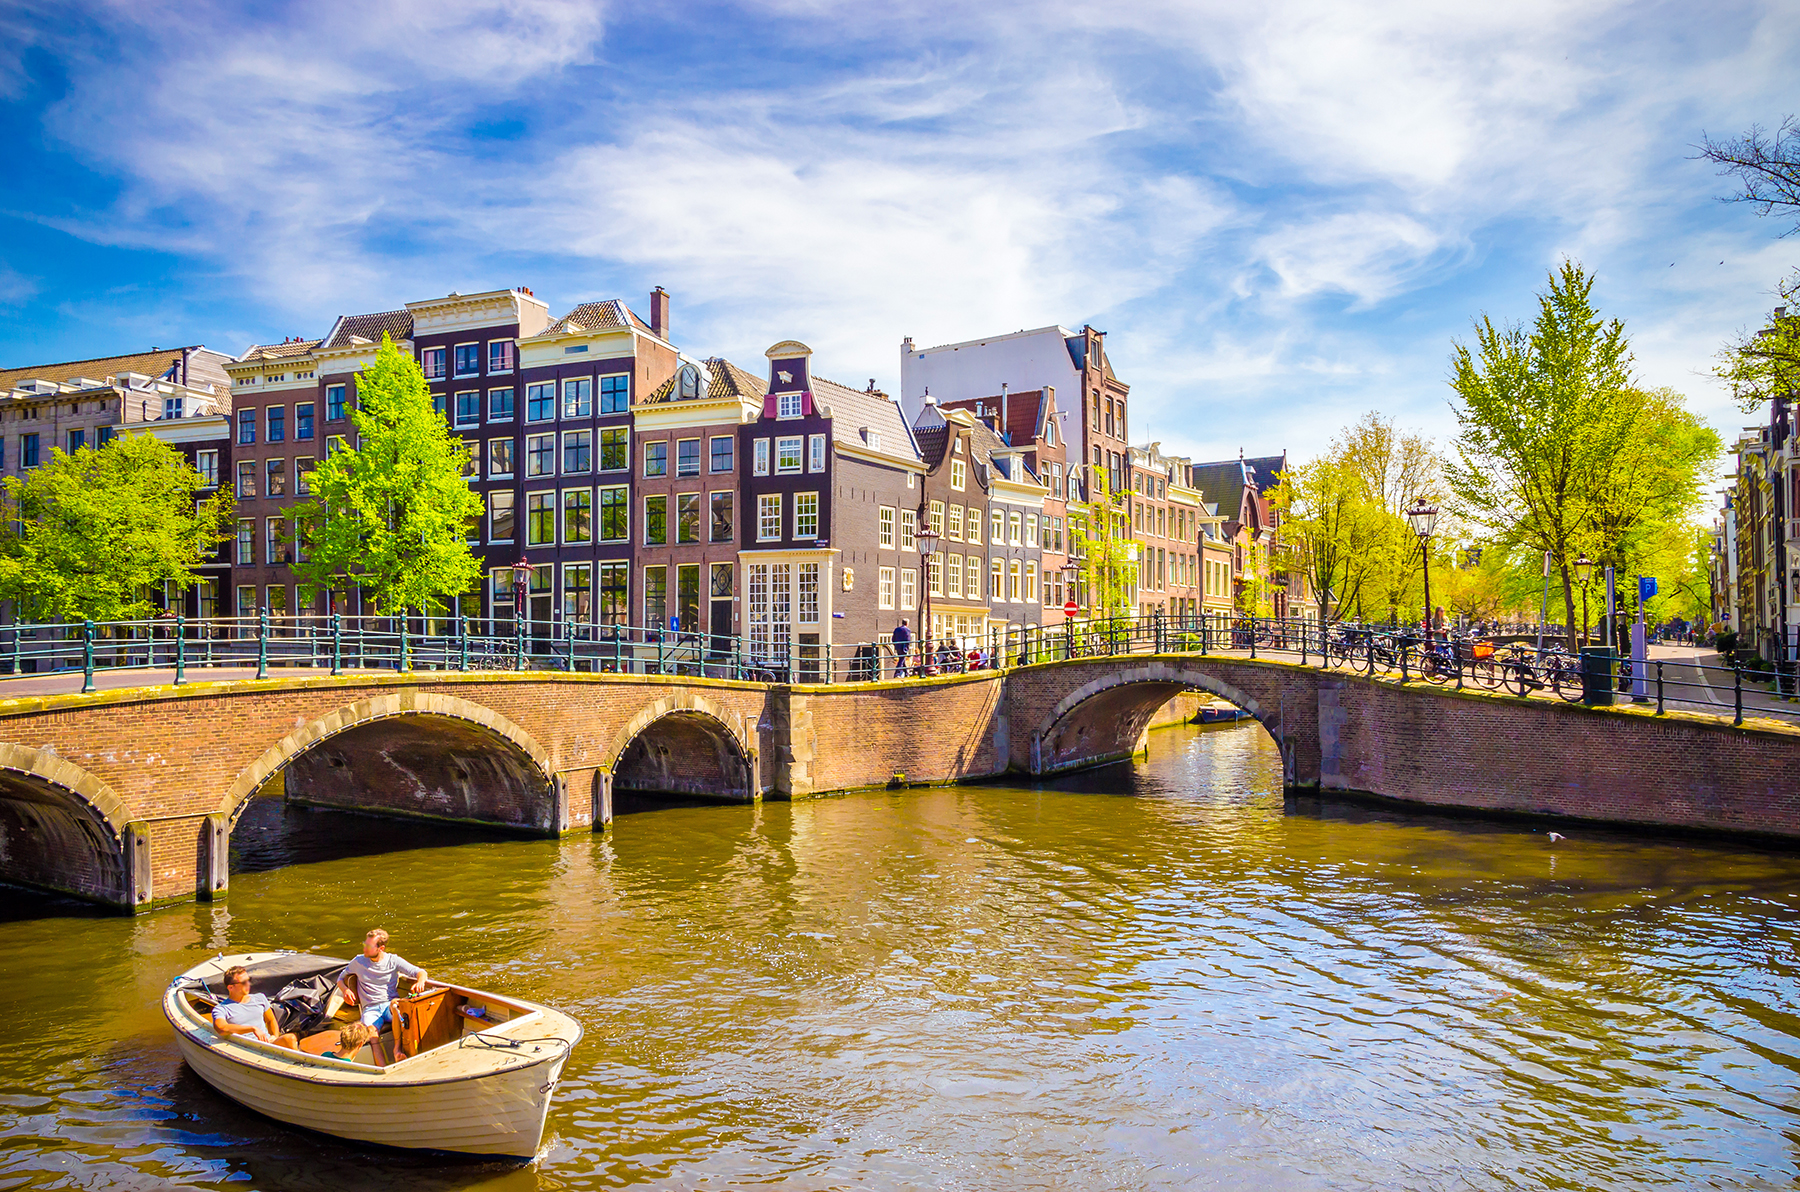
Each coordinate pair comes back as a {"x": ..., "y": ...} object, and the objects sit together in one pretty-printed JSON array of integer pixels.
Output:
[
  {"x": 1103, "y": 552},
  {"x": 1764, "y": 365},
  {"x": 90, "y": 535},
  {"x": 1538, "y": 419},
  {"x": 392, "y": 513},
  {"x": 1327, "y": 523}
]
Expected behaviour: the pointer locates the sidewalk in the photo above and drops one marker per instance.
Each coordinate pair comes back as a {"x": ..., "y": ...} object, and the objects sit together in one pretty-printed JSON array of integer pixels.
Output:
[{"x": 68, "y": 682}]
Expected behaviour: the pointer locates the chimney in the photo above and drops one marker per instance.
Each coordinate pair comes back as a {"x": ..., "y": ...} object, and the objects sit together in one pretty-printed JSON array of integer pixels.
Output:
[{"x": 659, "y": 312}]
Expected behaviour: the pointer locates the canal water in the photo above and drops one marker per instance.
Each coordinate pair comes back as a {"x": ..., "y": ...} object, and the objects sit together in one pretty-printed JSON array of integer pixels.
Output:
[{"x": 1153, "y": 976}]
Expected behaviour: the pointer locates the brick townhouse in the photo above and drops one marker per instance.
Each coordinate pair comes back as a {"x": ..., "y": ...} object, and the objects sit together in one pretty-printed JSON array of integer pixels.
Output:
[
  {"x": 1263, "y": 582},
  {"x": 1165, "y": 521}
]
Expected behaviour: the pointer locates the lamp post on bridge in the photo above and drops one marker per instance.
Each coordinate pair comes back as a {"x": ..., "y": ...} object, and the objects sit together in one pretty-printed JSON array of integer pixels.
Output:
[
  {"x": 928, "y": 541},
  {"x": 1423, "y": 517}
]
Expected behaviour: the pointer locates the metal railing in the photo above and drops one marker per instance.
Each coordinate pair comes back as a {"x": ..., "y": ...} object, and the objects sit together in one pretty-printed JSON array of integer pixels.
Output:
[{"x": 338, "y": 644}]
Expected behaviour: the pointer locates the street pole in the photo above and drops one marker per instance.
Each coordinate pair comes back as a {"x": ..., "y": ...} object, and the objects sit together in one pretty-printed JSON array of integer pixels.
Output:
[{"x": 1544, "y": 611}]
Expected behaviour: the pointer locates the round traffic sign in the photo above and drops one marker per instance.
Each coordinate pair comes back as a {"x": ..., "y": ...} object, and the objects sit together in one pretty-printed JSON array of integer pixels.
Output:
[{"x": 1070, "y": 608}]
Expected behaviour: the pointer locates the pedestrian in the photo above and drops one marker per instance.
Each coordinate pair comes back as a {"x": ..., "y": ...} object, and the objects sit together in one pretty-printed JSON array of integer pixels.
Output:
[{"x": 902, "y": 646}]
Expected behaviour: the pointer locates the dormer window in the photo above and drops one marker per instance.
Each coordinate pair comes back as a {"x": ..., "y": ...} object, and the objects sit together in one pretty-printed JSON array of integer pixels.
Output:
[
  {"x": 787, "y": 405},
  {"x": 958, "y": 445},
  {"x": 688, "y": 386}
]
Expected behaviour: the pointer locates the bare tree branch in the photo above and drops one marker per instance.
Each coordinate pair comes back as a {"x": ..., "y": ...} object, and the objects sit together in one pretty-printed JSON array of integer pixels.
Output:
[{"x": 1766, "y": 165}]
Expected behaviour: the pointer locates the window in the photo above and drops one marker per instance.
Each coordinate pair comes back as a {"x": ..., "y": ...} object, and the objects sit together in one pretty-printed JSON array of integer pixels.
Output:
[
  {"x": 809, "y": 594},
  {"x": 207, "y": 464},
  {"x": 540, "y": 455},
  {"x": 276, "y": 470},
  {"x": 959, "y": 474},
  {"x": 757, "y": 581},
  {"x": 656, "y": 459},
  {"x": 578, "y": 515},
  {"x": 172, "y": 407},
  {"x": 277, "y": 424},
  {"x": 973, "y": 525},
  {"x": 500, "y": 459},
  {"x": 431, "y": 363},
  {"x": 246, "y": 542},
  {"x": 687, "y": 517},
  {"x": 787, "y": 454},
  {"x": 997, "y": 581},
  {"x": 246, "y": 481},
  {"x": 687, "y": 457},
  {"x": 656, "y": 520},
  {"x": 615, "y": 514},
  {"x": 303, "y": 422},
  {"x": 614, "y": 607},
  {"x": 1015, "y": 524},
  {"x": 468, "y": 360},
  {"x": 909, "y": 588},
  {"x": 500, "y": 516},
  {"x": 334, "y": 403},
  {"x": 761, "y": 467},
  {"x": 500, "y": 405},
  {"x": 500, "y": 357},
  {"x": 272, "y": 544},
  {"x": 935, "y": 518},
  {"x": 768, "y": 517},
  {"x": 721, "y": 454},
  {"x": 578, "y": 398},
  {"x": 468, "y": 407},
  {"x": 615, "y": 394},
  {"x": 884, "y": 587},
  {"x": 440, "y": 404},
  {"x": 28, "y": 451},
  {"x": 721, "y": 517},
  {"x": 1031, "y": 583},
  {"x": 953, "y": 524},
  {"x": 540, "y": 519},
  {"x": 815, "y": 453},
  {"x": 884, "y": 521},
  {"x": 687, "y": 597},
  {"x": 303, "y": 470},
  {"x": 934, "y": 575},
  {"x": 909, "y": 519},
  {"x": 656, "y": 595},
  {"x": 102, "y": 436},
  {"x": 1056, "y": 480},
  {"x": 578, "y": 452},
  {"x": 1031, "y": 529},
  {"x": 246, "y": 426},
  {"x": 806, "y": 515},
  {"x": 953, "y": 572},
  {"x": 615, "y": 448},
  {"x": 578, "y": 593},
  {"x": 997, "y": 527},
  {"x": 788, "y": 405},
  {"x": 540, "y": 402}
]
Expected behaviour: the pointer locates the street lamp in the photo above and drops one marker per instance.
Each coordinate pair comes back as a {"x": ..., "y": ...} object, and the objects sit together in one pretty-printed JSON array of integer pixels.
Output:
[
  {"x": 1584, "y": 567},
  {"x": 928, "y": 540},
  {"x": 1424, "y": 518},
  {"x": 521, "y": 572}
]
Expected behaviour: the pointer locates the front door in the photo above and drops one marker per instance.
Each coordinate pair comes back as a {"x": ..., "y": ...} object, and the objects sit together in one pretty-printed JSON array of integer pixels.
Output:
[{"x": 719, "y": 622}]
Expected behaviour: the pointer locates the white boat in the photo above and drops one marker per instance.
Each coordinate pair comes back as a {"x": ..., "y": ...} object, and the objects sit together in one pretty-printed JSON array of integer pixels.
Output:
[{"x": 480, "y": 1082}]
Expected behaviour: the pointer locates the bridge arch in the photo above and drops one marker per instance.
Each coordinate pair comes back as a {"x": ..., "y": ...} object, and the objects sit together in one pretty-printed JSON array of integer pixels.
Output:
[
  {"x": 683, "y": 743},
  {"x": 410, "y": 753},
  {"x": 1103, "y": 720},
  {"x": 61, "y": 828}
]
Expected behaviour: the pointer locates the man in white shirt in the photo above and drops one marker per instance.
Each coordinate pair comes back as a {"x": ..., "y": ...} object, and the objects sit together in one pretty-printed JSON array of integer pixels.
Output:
[
  {"x": 377, "y": 972},
  {"x": 246, "y": 1013}
]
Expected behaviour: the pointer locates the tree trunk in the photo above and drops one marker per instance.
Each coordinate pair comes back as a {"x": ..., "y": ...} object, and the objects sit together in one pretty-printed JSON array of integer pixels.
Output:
[{"x": 1568, "y": 607}]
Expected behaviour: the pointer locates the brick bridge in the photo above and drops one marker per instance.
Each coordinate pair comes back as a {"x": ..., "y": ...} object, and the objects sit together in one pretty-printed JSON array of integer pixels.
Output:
[{"x": 128, "y": 797}]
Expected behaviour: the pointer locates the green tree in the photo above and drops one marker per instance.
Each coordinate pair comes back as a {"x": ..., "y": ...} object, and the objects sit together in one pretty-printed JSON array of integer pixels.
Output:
[
  {"x": 1103, "y": 551},
  {"x": 1539, "y": 423},
  {"x": 1764, "y": 365},
  {"x": 92, "y": 535},
  {"x": 1327, "y": 523},
  {"x": 391, "y": 514}
]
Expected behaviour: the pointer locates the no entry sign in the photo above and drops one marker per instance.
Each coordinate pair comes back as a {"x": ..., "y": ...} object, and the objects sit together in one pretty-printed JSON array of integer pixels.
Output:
[{"x": 1069, "y": 608}]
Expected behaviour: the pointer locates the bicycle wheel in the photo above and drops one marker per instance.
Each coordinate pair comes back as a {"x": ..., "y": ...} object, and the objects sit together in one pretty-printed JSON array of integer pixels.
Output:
[
  {"x": 1566, "y": 677},
  {"x": 1485, "y": 673},
  {"x": 1519, "y": 679}
]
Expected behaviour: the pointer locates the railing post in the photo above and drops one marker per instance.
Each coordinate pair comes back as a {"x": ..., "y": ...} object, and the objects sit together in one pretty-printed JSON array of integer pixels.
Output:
[
  {"x": 569, "y": 645},
  {"x": 1737, "y": 694},
  {"x": 404, "y": 663},
  {"x": 1252, "y": 623},
  {"x": 1205, "y": 634},
  {"x": 337, "y": 643},
  {"x": 262, "y": 642},
  {"x": 1456, "y": 657},
  {"x": 1303, "y": 661},
  {"x": 87, "y": 657},
  {"x": 1400, "y": 648},
  {"x": 1659, "y": 688},
  {"x": 462, "y": 635},
  {"x": 519, "y": 642},
  {"x": 180, "y": 649},
  {"x": 18, "y": 648}
]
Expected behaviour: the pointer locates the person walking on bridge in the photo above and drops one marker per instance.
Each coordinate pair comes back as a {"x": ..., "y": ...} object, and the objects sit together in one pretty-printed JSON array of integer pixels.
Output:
[{"x": 902, "y": 647}]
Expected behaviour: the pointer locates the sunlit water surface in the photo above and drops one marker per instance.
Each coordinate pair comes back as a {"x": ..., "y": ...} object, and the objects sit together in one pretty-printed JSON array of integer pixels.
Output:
[{"x": 1157, "y": 976}]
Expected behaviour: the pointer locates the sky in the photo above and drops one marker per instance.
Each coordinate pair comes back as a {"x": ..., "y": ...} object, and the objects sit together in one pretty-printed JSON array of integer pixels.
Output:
[{"x": 1283, "y": 214}]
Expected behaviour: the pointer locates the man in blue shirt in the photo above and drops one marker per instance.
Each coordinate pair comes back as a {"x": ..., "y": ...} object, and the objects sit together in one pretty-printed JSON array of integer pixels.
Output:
[{"x": 246, "y": 1013}]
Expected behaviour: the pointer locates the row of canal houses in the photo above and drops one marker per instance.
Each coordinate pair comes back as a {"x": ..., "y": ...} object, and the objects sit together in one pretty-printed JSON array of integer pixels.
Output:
[{"x": 644, "y": 486}]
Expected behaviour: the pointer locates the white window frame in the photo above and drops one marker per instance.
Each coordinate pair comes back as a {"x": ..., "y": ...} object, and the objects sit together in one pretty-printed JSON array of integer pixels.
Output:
[
  {"x": 815, "y": 453},
  {"x": 512, "y": 356},
  {"x": 575, "y": 383},
  {"x": 959, "y": 474},
  {"x": 972, "y": 525},
  {"x": 800, "y": 502},
  {"x": 782, "y": 445},
  {"x": 953, "y": 523},
  {"x": 972, "y": 578},
  {"x": 1031, "y": 529},
  {"x": 996, "y": 526},
  {"x": 1031, "y": 581},
  {"x": 1015, "y": 578},
  {"x": 443, "y": 362},
  {"x": 909, "y": 589},
  {"x": 909, "y": 529},
  {"x": 768, "y": 517},
  {"x": 884, "y": 528},
  {"x": 1015, "y": 524},
  {"x": 884, "y": 587},
  {"x": 760, "y": 467},
  {"x": 788, "y": 405},
  {"x": 460, "y": 375},
  {"x": 997, "y": 580},
  {"x": 953, "y": 577}
]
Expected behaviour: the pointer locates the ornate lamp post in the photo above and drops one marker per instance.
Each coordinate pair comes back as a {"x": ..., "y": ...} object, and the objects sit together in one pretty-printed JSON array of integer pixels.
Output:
[
  {"x": 521, "y": 573},
  {"x": 928, "y": 541},
  {"x": 1584, "y": 567},
  {"x": 1424, "y": 518}
]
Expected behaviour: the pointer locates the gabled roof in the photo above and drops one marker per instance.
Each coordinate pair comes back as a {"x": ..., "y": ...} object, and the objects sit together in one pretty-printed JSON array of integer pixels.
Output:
[
  {"x": 854, "y": 409},
  {"x": 594, "y": 316},
  {"x": 1026, "y": 412},
  {"x": 932, "y": 429},
  {"x": 1265, "y": 470},
  {"x": 159, "y": 365},
  {"x": 397, "y": 324},
  {"x": 280, "y": 351},
  {"x": 725, "y": 379}
]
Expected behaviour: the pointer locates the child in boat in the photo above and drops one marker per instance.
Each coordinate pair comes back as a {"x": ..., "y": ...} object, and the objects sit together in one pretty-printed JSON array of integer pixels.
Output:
[
  {"x": 377, "y": 972},
  {"x": 350, "y": 1040}
]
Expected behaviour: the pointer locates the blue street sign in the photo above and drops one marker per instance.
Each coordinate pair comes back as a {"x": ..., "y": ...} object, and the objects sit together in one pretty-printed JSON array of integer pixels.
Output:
[
  {"x": 1646, "y": 588},
  {"x": 675, "y": 621}
]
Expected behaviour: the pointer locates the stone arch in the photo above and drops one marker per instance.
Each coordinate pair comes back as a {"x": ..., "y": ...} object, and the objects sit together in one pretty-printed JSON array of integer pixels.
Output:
[
  {"x": 442, "y": 740},
  {"x": 1103, "y": 719},
  {"x": 62, "y": 828},
  {"x": 682, "y": 743}
]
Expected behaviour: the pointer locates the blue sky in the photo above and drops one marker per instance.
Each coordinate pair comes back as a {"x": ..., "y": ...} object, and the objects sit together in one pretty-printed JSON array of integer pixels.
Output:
[{"x": 1281, "y": 213}]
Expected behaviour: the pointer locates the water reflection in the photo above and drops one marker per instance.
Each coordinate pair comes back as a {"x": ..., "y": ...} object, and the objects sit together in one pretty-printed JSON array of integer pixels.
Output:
[{"x": 1161, "y": 975}]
